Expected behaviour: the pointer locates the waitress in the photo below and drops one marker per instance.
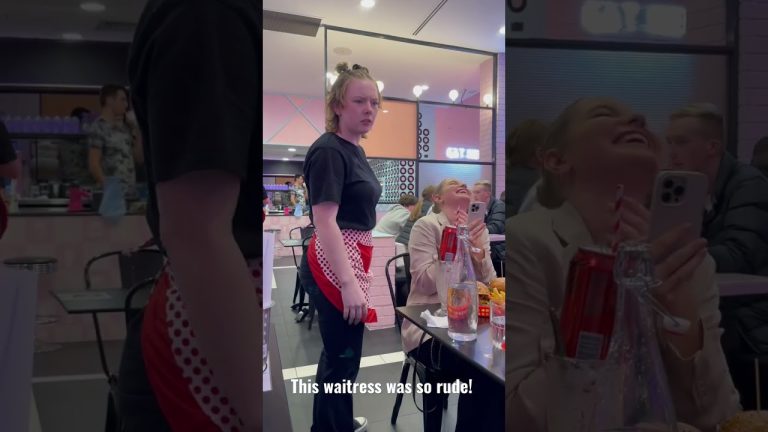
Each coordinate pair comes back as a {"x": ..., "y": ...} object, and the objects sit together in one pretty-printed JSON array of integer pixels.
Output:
[{"x": 335, "y": 271}]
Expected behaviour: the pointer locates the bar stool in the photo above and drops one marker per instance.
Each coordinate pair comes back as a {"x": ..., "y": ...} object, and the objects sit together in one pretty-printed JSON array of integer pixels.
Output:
[{"x": 45, "y": 267}]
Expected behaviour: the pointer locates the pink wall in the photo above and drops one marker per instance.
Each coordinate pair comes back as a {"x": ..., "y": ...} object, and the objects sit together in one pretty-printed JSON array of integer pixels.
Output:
[
  {"x": 292, "y": 120},
  {"x": 454, "y": 128}
]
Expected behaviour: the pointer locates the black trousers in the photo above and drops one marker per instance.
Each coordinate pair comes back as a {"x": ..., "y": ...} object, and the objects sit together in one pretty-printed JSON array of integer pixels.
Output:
[
  {"x": 481, "y": 410},
  {"x": 136, "y": 401},
  {"x": 339, "y": 360}
]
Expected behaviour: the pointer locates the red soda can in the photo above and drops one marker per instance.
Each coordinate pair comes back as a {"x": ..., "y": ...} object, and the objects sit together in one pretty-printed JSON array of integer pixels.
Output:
[
  {"x": 589, "y": 307},
  {"x": 448, "y": 243}
]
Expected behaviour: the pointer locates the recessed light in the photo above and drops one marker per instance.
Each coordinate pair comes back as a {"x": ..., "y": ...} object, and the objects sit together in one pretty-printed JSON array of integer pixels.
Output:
[
  {"x": 291, "y": 149},
  {"x": 385, "y": 111},
  {"x": 285, "y": 159},
  {"x": 92, "y": 7},
  {"x": 368, "y": 3},
  {"x": 72, "y": 36},
  {"x": 502, "y": 29}
]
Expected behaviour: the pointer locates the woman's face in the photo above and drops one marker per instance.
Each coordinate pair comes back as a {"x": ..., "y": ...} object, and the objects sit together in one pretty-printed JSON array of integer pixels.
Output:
[
  {"x": 453, "y": 197},
  {"x": 359, "y": 108},
  {"x": 608, "y": 143},
  {"x": 299, "y": 180}
]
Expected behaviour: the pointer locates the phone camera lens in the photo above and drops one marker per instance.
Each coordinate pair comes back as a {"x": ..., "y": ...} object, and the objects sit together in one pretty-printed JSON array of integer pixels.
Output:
[
  {"x": 668, "y": 184},
  {"x": 679, "y": 190},
  {"x": 666, "y": 197}
]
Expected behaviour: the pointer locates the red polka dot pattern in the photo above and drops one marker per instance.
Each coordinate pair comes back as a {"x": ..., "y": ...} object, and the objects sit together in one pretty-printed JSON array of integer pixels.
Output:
[
  {"x": 351, "y": 240},
  {"x": 193, "y": 364}
]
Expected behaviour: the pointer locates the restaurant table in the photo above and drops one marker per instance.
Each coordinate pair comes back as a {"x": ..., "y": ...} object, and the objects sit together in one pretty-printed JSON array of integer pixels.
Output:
[
  {"x": 92, "y": 301},
  {"x": 291, "y": 242},
  {"x": 480, "y": 353},
  {"x": 736, "y": 284},
  {"x": 277, "y": 417}
]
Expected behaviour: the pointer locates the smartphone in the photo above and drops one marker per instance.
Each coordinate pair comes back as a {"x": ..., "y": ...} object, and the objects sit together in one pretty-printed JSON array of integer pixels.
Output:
[
  {"x": 678, "y": 198},
  {"x": 476, "y": 211}
]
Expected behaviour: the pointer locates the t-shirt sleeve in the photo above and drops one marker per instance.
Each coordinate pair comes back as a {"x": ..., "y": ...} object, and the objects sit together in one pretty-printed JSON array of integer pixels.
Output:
[
  {"x": 7, "y": 153},
  {"x": 202, "y": 91},
  {"x": 325, "y": 176},
  {"x": 96, "y": 137}
]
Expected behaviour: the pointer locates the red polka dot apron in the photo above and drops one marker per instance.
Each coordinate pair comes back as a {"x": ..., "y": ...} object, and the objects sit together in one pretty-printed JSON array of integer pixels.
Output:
[
  {"x": 183, "y": 382},
  {"x": 359, "y": 249}
]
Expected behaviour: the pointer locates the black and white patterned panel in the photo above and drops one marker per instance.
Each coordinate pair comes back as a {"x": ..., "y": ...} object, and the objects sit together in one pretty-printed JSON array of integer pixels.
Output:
[
  {"x": 397, "y": 178},
  {"x": 425, "y": 137}
]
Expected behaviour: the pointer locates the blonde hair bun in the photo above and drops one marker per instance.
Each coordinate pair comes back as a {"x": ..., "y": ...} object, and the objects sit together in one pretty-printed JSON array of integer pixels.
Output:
[{"x": 342, "y": 67}]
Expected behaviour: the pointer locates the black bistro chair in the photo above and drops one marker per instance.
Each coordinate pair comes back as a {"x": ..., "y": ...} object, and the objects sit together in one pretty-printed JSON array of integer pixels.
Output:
[
  {"x": 399, "y": 294},
  {"x": 302, "y": 307},
  {"x": 135, "y": 300}
]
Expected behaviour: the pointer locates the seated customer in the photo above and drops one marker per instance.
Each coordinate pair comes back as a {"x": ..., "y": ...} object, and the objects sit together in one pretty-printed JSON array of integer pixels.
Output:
[
  {"x": 736, "y": 226},
  {"x": 495, "y": 215},
  {"x": 736, "y": 218},
  {"x": 394, "y": 220},
  {"x": 594, "y": 145},
  {"x": 421, "y": 209},
  {"x": 760, "y": 156},
  {"x": 483, "y": 408}
]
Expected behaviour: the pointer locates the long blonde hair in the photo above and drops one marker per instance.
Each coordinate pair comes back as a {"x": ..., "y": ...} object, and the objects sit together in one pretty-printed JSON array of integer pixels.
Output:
[
  {"x": 336, "y": 94},
  {"x": 426, "y": 195}
]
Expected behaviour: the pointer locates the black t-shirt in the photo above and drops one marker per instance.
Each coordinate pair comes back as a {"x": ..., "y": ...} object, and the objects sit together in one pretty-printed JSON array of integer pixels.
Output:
[
  {"x": 7, "y": 153},
  {"x": 196, "y": 81},
  {"x": 336, "y": 170}
]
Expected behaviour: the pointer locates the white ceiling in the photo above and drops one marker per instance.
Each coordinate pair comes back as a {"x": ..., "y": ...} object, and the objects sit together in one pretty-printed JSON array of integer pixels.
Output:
[{"x": 48, "y": 19}]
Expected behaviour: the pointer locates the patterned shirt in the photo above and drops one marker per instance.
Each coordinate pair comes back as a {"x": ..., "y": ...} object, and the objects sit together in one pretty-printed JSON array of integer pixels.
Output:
[{"x": 116, "y": 143}]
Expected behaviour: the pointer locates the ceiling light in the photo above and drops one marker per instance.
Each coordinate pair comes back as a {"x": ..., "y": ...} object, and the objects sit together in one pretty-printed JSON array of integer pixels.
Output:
[
  {"x": 502, "y": 29},
  {"x": 72, "y": 36},
  {"x": 285, "y": 159},
  {"x": 385, "y": 111},
  {"x": 417, "y": 91},
  {"x": 453, "y": 94},
  {"x": 488, "y": 99},
  {"x": 291, "y": 149},
  {"x": 92, "y": 7},
  {"x": 367, "y": 3},
  {"x": 424, "y": 87},
  {"x": 380, "y": 85}
]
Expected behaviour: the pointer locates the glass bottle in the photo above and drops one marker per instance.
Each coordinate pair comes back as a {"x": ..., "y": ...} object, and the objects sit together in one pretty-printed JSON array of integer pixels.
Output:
[
  {"x": 462, "y": 292},
  {"x": 634, "y": 389}
]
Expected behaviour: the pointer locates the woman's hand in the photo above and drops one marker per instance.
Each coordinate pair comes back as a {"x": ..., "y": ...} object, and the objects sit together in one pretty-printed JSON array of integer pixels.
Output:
[
  {"x": 355, "y": 306},
  {"x": 475, "y": 229},
  {"x": 634, "y": 221}
]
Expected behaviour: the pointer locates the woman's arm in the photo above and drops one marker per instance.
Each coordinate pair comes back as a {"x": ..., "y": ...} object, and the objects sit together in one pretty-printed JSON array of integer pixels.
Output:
[
  {"x": 423, "y": 250},
  {"x": 701, "y": 384},
  {"x": 220, "y": 295},
  {"x": 329, "y": 234}
]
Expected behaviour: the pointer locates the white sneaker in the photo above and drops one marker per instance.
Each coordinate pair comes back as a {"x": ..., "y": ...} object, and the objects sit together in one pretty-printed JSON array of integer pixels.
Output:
[{"x": 360, "y": 424}]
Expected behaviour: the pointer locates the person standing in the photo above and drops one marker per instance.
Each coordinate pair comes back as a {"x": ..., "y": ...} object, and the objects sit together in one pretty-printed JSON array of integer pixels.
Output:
[
  {"x": 193, "y": 361},
  {"x": 335, "y": 271},
  {"x": 114, "y": 141}
]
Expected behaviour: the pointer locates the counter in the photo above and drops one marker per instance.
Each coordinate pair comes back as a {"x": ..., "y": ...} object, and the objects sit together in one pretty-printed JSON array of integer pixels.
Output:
[{"x": 73, "y": 241}]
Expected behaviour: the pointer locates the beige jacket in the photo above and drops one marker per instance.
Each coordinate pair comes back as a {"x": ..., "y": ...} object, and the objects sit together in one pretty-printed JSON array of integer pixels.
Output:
[
  {"x": 540, "y": 245},
  {"x": 423, "y": 247}
]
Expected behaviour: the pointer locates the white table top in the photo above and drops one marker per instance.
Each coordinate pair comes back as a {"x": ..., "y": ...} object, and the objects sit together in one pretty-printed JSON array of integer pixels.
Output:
[{"x": 735, "y": 284}]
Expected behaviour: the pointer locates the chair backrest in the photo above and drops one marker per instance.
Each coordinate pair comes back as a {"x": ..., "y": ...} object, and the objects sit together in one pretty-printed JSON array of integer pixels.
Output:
[
  {"x": 307, "y": 231},
  {"x": 139, "y": 266},
  {"x": 134, "y": 267},
  {"x": 406, "y": 257},
  {"x": 137, "y": 298}
]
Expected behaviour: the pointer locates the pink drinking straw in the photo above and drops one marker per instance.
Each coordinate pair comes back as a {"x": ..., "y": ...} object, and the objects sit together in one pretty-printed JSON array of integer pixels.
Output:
[{"x": 617, "y": 205}]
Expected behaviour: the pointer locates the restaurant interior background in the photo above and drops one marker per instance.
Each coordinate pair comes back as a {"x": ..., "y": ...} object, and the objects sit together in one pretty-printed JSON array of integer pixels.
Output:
[{"x": 419, "y": 139}]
